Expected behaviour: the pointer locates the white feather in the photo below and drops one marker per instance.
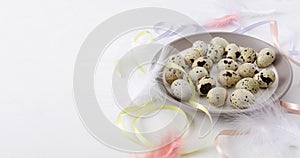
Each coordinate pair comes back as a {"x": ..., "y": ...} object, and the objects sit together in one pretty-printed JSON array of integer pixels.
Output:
[{"x": 271, "y": 134}]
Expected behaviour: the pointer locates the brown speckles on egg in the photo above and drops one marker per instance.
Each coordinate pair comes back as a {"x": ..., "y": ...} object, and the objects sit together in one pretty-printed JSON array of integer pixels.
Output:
[
  {"x": 241, "y": 98},
  {"x": 217, "y": 96},
  {"x": 203, "y": 62},
  {"x": 172, "y": 74},
  {"x": 249, "y": 84},
  {"x": 228, "y": 78},
  {"x": 215, "y": 53},
  {"x": 179, "y": 60},
  {"x": 265, "y": 57},
  {"x": 265, "y": 78},
  {"x": 205, "y": 84},
  {"x": 247, "y": 70},
  {"x": 197, "y": 73},
  {"x": 204, "y": 88},
  {"x": 248, "y": 55},
  {"x": 227, "y": 64}
]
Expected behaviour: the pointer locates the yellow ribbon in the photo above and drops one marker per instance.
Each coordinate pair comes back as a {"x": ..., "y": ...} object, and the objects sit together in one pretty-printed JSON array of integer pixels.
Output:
[
  {"x": 129, "y": 110},
  {"x": 136, "y": 38},
  {"x": 141, "y": 34},
  {"x": 144, "y": 141},
  {"x": 146, "y": 109},
  {"x": 153, "y": 108}
]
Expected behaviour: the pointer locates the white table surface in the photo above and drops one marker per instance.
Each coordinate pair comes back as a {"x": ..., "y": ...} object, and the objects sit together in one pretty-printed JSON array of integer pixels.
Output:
[{"x": 40, "y": 40}]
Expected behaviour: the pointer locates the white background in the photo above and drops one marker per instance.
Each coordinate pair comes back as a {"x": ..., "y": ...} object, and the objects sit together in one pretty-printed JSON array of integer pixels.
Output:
[{"x": 40, "y": 40}]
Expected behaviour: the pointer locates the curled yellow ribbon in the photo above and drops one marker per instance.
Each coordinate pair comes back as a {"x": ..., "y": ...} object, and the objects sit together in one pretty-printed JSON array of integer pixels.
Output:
[
  {"x": 145, "y": 108},
  {"x": 141, "y": 110},
  {"x": 130, "y": 110},
  {"x": 135, "y": 39},
  {"x": 141, "y": 34}
]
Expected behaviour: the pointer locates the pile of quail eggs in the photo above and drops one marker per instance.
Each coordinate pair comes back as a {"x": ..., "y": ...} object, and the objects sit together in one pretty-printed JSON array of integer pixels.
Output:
[{"x": 239, "y": 67}]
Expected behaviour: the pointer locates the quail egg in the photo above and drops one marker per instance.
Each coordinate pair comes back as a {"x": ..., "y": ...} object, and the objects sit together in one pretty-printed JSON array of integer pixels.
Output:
[
  {"x": 265, "y": 57},
  {"x": 241, "y": 98},
  {"x": 215, "y": 52},
  {"x": 228, "y": 78},
  {"x": 217, "y": 96},
  {"x": 219, "y": 41},
  {"x": 247, "y": 70},
  {"x": 181, "y": 89},
  {"x": 248, "y": 83},
  {"x": 265, "y": 78},
  {"x": 205, "y": 84},
  {"x": 192, "y": 55},
  {"x": 197, "y": 73},
  {"x": 232, "y": 51},
  {"x": 179, "y": 60},
  {"x": 248, "y": 55},
  {"x": 203, "y": 62},
  {"x": 201, "y": 45},
  {"x": 227, "y": 64}
]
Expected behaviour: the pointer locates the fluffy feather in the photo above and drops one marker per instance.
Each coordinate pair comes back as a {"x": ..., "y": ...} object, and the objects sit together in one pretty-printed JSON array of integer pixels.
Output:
[{"x": 271, "y": 134}]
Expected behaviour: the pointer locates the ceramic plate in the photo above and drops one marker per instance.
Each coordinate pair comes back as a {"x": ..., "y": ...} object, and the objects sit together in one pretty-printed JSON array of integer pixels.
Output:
[{"x": 281, "y": 67}]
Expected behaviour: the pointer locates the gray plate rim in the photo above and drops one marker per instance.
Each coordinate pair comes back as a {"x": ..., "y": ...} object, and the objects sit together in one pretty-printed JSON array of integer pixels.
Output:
[{"x": 281, "y": 64}]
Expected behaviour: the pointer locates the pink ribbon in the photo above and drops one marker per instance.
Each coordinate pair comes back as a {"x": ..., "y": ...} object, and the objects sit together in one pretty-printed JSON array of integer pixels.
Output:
[
  {"x": 226, "y": 133},
  {"x": 290, "y": 107},
  {"x": 274, "y": 33}
]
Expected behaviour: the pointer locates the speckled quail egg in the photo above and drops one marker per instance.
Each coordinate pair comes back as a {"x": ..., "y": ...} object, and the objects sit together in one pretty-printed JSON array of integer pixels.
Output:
[
  {"x": 248, "y": 55},
  {"x": 232, "y": 51},
  {"x": 197, "y": 73},
  {"x": 219, "y": 41},
  {"x": 200, "y": 45},
  {"x": 227, "y": 64},
  {"x": 172, "y": 74},
  {"x": 181, "y": 89},
  {"x": 205, "y": 84},
  {"x": 215, "y": 52},
  {"x": 265, "y": 57},
  {"x": 241, "y": 98},
  {"x": 203, "y": 62},
  {"x": 217, "y": 96},
  {"x": 248, "y": 83},
  {"x": 228, "y": 78},
  {"x": 179, "y": 60},
  {"x": 265, "y": 78},
  {"x": 247, "y": 70},
  {"x": 192, "y": 55}
]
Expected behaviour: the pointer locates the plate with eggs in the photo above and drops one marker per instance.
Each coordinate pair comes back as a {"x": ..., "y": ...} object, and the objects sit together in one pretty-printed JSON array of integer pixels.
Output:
[{"x": 231, "y": 73}]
